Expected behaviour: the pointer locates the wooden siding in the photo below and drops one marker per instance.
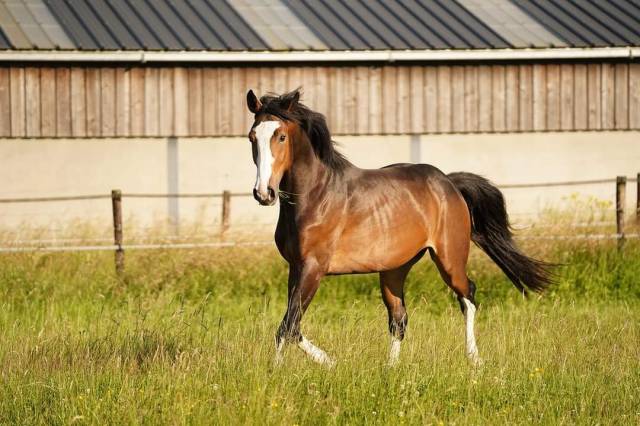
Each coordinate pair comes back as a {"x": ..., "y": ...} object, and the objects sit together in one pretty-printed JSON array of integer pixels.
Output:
[{"x": 416, "y": 99}]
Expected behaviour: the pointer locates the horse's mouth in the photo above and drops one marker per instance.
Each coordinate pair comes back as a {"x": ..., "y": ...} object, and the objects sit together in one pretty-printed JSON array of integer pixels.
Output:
[
  {"x": 270, "y": 200},
  {"x": 267, "y": 202}
]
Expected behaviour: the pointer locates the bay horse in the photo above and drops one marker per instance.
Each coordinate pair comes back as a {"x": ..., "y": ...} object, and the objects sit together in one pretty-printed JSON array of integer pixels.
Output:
[{"x": 336, "y": 218}]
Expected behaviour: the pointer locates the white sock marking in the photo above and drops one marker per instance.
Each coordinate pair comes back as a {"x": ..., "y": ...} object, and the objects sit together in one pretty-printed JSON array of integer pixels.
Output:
[
  {"x": 264, "y": 133},
  {"x": 394, "y": 351},
  {"x": 279, "y": 349},
  {"x": 316, "y": 354},
  {"x": 469, "y": 316}
]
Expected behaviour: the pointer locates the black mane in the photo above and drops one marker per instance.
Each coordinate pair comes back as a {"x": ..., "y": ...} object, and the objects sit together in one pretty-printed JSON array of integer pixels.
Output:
[{"x": 313, "y": 123}]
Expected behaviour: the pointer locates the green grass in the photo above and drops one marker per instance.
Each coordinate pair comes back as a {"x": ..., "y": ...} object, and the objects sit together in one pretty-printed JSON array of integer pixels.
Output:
[{"x": 187, "y": 338}]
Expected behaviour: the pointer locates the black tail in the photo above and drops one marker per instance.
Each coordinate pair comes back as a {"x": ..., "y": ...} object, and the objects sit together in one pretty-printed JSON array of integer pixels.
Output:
[{"x": 492, "y": 233}]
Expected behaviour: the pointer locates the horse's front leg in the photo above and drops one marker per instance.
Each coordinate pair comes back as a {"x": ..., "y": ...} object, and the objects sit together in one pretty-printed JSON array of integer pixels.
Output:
[{"x": 303, "y": 283}]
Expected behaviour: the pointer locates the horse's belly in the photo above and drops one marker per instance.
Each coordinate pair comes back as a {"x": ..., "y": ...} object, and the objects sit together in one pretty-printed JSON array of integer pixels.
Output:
[{"x": 357, "y": 254}]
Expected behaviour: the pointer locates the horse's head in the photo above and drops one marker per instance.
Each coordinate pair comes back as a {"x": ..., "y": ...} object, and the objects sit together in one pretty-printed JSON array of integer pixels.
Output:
[{"x": 271, "y": 147}]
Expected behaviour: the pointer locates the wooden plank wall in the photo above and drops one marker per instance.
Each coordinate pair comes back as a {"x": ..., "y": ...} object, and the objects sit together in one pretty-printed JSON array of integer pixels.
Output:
[{"x": 207, "y": 101}]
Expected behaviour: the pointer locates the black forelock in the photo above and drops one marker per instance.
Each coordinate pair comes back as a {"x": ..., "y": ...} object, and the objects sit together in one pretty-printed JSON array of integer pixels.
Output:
[{"x": 312, "y": 123}]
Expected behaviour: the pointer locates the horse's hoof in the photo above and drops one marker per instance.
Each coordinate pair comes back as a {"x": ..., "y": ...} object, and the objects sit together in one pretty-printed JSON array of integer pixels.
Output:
[
  {"x": 392, "y": 363},
  {"x": 476, "y": 361}
]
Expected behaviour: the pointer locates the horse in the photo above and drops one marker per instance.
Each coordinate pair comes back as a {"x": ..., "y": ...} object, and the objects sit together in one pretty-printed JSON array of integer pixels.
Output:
[{"x": 336, "y": 218}]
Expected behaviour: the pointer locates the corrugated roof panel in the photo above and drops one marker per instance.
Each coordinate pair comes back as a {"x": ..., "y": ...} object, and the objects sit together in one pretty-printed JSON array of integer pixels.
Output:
[
  {"x": 254, "y": 14},
  {"x": 92, "y": 24},
  {"x": 407, "y": 18},
  {"x": 21, "y": 14},
  {"x": 585, "y": 26},
  {"x": 277, "y": 25},
  {"x": 239, "y": 25},
  {"x": 627, "y": 7},
  {"x": 615, "y": 21},
  {"x": 4, "y": 41},
  {"x": 385, "y": 25},
  {"x": 357, "y": 25},
  {"x": 524, "y": 26},
  {"x": 300, "y": 30},
  {"x": 12, "y": 30},
  {"x": 123, "y": 36},
  {"x": 49, "y": 24},
  {"x": 74, "y": 27},
  {"x": 317, "y": 25},
  {"x": 466, "y": 25},
  {"x": 179, "y": 26},
  {"x": 493, "y": 16},
  {"x": 340, "y": 25},
  {"x": 551, "y": 23},
  {"x": 583, "y": 23},
  {"x": 234, "y": 23},
  {"x": 135, "y": 25},
  {"x": 403, "y": 23},
  {"x": 516, "y": 27},
  {"x": 217, "y": 26},
  {"x": 153, "y": 22},
  {"x": 207, "y": 38},
  {"x": 428, "y": 19}
]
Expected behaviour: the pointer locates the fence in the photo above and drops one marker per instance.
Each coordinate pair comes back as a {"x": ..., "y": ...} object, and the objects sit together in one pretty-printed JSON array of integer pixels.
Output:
[{"x": 119, "y": 246}]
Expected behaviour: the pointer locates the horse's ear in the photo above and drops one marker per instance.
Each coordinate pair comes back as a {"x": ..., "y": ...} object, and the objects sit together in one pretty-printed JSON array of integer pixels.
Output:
[
  {"x": 293, "y": 101},
  {"x": 253, "y": 102}
]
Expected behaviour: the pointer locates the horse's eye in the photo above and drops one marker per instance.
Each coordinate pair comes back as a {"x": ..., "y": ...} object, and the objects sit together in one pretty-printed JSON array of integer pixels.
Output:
[{"x": 282, "y": 138}]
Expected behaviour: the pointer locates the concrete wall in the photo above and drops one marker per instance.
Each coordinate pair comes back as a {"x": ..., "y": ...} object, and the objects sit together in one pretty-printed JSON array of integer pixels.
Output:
[{"x": 37, "y": 168}]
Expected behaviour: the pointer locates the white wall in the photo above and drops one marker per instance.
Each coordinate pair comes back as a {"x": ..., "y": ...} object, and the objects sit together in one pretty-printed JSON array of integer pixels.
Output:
[
  {"x": 520, "y": 158},
  {"x": 37, "y": 168}
]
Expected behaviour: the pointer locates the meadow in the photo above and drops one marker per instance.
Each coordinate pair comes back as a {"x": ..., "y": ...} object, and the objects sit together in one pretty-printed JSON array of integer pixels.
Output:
[{"x": 186, "y": 337}]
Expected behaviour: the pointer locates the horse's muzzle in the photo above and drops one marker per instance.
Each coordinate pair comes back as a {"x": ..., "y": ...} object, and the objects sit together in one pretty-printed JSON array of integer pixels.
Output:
[{"x": 270, "y": 198}]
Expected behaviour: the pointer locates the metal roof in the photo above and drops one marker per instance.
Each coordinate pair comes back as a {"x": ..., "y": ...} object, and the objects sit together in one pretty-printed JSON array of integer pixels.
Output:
[
  {"x": 277, "y": 25},
  {"x": 154, "y": 25},
  {"x": 583, "y": 23},
  {"x": 29, "y": 24},
  {"x": 402, "y": 24},
  {"x": 512, "y": 24},
  {"x": 316, "y": 25}
]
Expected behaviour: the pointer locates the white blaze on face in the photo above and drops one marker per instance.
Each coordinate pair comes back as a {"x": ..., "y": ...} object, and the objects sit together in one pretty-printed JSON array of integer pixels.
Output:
[{"x": 264, "y": 133}]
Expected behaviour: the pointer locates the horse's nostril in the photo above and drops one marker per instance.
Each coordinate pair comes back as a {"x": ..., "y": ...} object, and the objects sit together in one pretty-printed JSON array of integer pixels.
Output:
[{"x": 272, "y": 193}]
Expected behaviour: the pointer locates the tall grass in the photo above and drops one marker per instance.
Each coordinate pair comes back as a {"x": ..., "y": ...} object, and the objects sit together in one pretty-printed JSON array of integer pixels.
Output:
[{"x": 187, "y": 338}]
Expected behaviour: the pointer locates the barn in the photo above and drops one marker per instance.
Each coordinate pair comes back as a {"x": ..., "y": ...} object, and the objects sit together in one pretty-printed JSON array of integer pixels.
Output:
[{"x": 149, "y": 97}]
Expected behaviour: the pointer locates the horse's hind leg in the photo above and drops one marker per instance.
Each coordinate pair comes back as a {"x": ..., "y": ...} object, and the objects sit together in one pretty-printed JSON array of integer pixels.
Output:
[
  {"x": 392, "y": 287},
  {"x": 451, "y": 262}
]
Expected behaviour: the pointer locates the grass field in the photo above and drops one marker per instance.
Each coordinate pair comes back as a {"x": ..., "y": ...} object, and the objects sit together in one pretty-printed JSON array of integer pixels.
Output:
[{"x": 187, "y": 338}]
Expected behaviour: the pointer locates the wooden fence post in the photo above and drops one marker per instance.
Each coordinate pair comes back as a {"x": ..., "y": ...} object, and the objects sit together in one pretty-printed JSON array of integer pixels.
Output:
[
  {"x": 116, "y": 204},
  {"x": 226, "y": 210},
  {"x": 621, "y": 187},
  {"x": 638, "y": 199}
]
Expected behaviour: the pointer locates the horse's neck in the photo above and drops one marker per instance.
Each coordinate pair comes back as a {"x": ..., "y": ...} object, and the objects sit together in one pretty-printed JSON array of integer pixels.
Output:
[{"x": 308, "y": 179}]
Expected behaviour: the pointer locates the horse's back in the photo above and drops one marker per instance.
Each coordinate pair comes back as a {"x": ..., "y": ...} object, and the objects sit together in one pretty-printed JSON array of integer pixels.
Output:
[
  {"x": 417, "y": 169},
  {"x": 423, "y": 173}
]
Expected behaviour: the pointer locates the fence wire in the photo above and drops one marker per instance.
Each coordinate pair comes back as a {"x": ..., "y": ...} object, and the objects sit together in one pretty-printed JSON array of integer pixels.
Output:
[
  {"x": 159, "y": 246},
  {"x": 41, "y": 246},
  {"x": 171, "y": 246}
]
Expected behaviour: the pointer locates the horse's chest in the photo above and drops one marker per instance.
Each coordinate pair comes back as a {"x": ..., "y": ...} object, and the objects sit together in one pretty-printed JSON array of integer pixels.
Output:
[{"x": 286, "y": 245}]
